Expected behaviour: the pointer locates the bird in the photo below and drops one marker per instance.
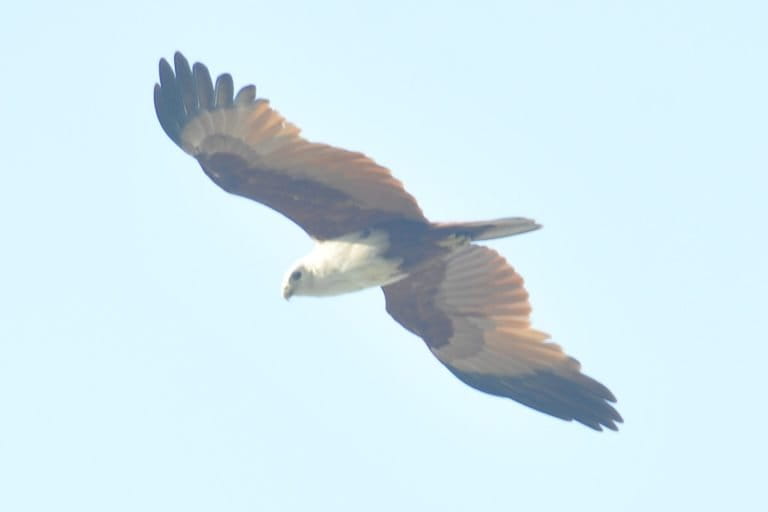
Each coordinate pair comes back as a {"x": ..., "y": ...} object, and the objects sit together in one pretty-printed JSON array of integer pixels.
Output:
[{"x": 464, "y": 300}]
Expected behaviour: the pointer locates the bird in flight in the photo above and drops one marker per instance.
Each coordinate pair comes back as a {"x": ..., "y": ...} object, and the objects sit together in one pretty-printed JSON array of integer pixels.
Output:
[{"x": 464, "y": 300}]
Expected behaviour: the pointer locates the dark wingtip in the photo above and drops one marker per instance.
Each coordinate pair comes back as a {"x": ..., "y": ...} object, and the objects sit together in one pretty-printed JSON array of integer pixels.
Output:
[
  {"x": 167, "y": 121},
  {"x": 180, "y": 60},
  {"x": 166, "y": 73},
  {"x": 573, "y": 397},
  {"x": 169, "y": 106},
  {"x": 203, "y": 85},
  {"x": 246, "y": 95},
  {"x": 183, "y": 92},
  {"x": 225, "y": 91}
]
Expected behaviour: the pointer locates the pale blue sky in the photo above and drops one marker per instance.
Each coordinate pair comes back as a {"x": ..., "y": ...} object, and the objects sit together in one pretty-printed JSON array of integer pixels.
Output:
[{"x": 148, "y": 362}]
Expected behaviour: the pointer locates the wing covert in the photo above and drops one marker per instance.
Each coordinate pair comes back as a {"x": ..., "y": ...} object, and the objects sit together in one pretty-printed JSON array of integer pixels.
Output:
[
  {"x": 250, "y": 150},
  {"x": 472, "y": 311}
]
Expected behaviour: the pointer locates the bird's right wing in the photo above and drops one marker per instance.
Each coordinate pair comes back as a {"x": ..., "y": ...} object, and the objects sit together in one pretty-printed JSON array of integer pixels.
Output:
[
  {"x": 472, "y": 311},
  {"x": 249, "y": 149}
]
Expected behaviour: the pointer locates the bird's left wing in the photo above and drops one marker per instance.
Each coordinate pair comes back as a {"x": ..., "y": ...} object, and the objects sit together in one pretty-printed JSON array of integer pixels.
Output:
[
  {"x": 472, "y": 311},
  {"x": 249, "y": 149}
]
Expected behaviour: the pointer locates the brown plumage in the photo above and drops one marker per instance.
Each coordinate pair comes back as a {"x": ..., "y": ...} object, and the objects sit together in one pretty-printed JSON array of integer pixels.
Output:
[
  {"x": 471, "y": 309},
  {"x": 463, "y": 300},
  {"x": 249, "y": 149}
]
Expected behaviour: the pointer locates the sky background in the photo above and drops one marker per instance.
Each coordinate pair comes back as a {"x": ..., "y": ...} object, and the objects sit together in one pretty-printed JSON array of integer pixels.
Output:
[{"x": 148, "y": 361}]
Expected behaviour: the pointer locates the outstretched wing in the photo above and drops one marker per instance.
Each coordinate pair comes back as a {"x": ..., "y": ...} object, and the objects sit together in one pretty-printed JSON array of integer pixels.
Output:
[
  {"x": 472, "y": 311},
  {"x": 249, "y": 149}
]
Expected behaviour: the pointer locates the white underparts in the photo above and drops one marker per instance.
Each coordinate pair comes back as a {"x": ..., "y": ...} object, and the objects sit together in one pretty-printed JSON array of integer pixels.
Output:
[{"x": 346, "y": 264}]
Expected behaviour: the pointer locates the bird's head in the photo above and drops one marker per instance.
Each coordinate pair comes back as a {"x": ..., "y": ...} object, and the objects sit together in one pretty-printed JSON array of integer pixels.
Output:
[{"x": 297, "y": 281}]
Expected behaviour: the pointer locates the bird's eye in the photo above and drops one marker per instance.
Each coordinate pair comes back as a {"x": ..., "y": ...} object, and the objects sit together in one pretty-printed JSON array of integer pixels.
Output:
[{"x": 296, "y": 275}]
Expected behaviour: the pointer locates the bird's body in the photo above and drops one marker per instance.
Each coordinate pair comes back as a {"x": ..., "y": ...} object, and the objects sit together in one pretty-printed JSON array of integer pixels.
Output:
[
  {"x": 464, "y": 300},
  {"x": 346, "y": 264},
  {"x": 385, "y": 254}
]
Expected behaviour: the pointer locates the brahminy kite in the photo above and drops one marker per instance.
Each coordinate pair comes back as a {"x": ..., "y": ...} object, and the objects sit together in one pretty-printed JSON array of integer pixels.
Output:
[{"x": 465, "y": 301}]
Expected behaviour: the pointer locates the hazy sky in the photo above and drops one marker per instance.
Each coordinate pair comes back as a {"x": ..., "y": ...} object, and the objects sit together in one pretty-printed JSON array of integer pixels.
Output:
[{"x": 149, "y": 363}]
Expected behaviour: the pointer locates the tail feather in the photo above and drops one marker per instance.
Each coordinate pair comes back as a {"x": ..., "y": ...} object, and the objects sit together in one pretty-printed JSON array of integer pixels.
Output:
[{"x": 489, "y": 229}]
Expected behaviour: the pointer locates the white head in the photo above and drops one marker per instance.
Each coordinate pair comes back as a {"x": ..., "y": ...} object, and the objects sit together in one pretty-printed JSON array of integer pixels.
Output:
[
  {"x": 299, "y": 280},
  {"x": 342, "y": 265}
]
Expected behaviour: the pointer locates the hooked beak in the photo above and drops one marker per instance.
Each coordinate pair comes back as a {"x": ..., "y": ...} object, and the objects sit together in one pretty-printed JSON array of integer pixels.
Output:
[{"x": 287, "y": 293}]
